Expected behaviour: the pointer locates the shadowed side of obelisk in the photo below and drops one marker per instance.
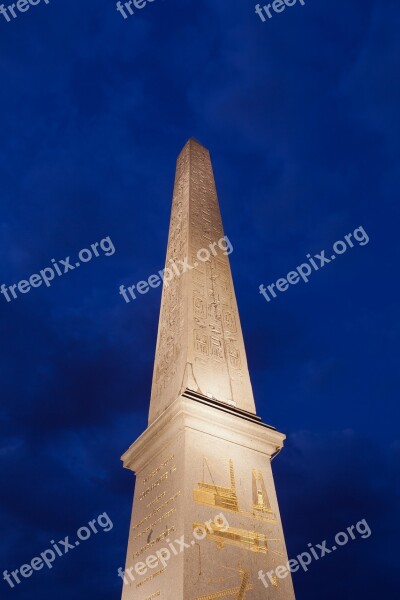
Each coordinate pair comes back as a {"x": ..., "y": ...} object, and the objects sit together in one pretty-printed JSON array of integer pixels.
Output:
[
  {"x": 171, "y": 348},
  {"x": 200, "y": 343}
]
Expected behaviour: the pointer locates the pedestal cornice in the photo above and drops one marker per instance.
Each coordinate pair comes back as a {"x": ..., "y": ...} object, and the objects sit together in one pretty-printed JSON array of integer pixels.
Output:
[{"x": 196, "y": 412}]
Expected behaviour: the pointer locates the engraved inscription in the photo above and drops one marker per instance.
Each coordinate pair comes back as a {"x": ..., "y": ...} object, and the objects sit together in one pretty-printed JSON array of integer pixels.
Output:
[
  {"x": 200, "y": 342},
  {"x": 164, "y": 535},
  {"x": 155, "y": 595},
  {"x": 238, "y": 593},
  {"x": 155, "y": 471},
  {"x": 156, "y": 483},
  {"x": 150, "y": 577}
]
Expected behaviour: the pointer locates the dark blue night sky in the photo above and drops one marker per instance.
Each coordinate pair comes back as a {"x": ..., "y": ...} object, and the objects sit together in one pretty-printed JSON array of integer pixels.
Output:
[{"x": 301, "y": 115}]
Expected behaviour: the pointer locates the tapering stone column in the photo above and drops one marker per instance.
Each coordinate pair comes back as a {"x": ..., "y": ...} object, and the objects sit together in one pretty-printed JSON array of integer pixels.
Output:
[{"x": 200, "y": 342}]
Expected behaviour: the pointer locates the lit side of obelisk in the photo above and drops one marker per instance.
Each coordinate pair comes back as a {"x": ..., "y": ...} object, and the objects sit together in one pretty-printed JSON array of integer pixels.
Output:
[{"x": 205, "y": 452}]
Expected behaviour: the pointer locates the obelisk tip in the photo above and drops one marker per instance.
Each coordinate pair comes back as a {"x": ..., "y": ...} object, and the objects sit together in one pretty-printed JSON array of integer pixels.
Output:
[{"x": 195, "y": 142}]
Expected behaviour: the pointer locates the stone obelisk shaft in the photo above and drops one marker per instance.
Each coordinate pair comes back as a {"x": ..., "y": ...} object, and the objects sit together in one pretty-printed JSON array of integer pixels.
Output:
[{"x": 200, "y": 343}]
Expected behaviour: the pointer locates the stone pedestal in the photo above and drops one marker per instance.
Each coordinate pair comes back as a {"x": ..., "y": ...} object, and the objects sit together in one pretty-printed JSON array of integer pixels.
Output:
[{"x": 205, "y": 517}]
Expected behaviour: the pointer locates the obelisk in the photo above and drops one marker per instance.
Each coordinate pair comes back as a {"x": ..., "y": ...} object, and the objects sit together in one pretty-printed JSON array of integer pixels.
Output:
[{"x": 205, "y": 519}]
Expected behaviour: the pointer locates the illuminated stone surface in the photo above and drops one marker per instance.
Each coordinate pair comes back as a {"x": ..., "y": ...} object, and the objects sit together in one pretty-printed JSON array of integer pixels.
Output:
[
  {"x": 205, "y": 452},
  {"x": 200, "y": 342}
]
